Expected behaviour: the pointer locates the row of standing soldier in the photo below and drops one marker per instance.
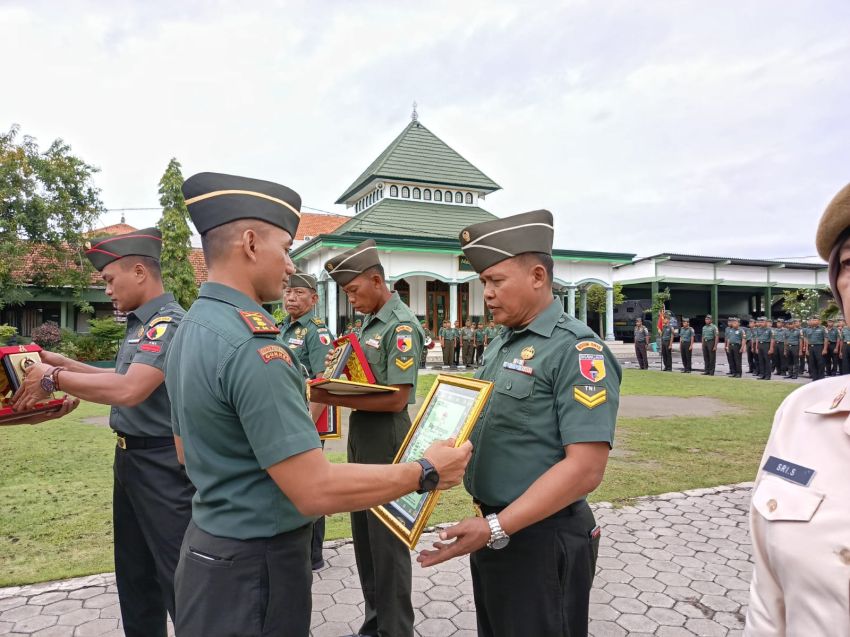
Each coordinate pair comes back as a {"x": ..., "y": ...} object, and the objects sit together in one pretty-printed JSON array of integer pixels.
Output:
[{"x": 468, "y": 341}]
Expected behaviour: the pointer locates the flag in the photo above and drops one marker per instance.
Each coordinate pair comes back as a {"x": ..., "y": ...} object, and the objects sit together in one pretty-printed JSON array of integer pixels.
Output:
[{"x": 660, "y": 317}]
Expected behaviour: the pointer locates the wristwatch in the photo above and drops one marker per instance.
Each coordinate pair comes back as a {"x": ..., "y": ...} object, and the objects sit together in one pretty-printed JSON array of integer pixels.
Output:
[
  {"x": 48, "y": 381},
  {"x": 498, "y": 538},
  {"x": 429, "y": 479}
]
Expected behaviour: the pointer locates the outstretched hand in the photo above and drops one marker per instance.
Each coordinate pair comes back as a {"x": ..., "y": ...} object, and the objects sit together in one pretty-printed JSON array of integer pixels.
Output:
[{"x": 469, "y": 535}]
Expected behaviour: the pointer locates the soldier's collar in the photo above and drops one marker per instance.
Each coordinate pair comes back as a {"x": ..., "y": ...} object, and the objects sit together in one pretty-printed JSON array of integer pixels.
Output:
[
  {"x": 545, "y": 322},
  {"x": 387, "y": 309},
  {"x": 231, "y": 296},
  {"x": 302, "y": 320},
  {"x": 146, "y": 311}
]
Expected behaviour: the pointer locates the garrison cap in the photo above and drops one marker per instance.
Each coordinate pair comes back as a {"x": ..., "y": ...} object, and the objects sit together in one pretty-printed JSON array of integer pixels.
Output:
[
  {"x": 708, "y": 316},
  {"x": 668, "y": 313},
  {"x": 491, "y": 242},
  {"x": 345, "y": 267},
  {"x": 214, "y": 199},
  {"x": 762, "y": 318},
  {"x": 302, "y": 280},
  {"x": 685, "y": 320},
  {"x": 835, "y": 220},
  {"x": 143, "y": 243},
  {"x": 733, "y": 318},
  {"x": 779, "y": 320}
]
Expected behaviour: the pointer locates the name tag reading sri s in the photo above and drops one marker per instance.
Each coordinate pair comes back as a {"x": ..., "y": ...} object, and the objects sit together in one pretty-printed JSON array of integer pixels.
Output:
[{"x": 789, "y": 471}]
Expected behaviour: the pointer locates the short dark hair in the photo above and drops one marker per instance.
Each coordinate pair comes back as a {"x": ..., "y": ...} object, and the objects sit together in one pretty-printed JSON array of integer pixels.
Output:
[
  {"x": 540, "y": 258},
  {"x": 375, "y": 269},
  {"x": 215, "y": 240},
  {"x": 151, "y": 265}
]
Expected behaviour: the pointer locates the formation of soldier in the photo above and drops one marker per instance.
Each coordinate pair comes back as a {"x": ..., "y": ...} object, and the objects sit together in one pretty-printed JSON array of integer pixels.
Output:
[{"x": 465, "y": 344}]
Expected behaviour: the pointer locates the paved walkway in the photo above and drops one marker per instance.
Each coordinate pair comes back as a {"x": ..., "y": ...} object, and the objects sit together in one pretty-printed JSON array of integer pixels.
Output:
[{"x": 674, "y": 565}]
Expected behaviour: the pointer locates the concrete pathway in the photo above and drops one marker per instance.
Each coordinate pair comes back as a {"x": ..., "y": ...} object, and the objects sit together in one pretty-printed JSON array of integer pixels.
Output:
[{"x": 674, "y": 565}]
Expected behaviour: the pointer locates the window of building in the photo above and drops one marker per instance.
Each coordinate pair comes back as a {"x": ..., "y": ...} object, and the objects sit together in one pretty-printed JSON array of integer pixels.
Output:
[
  {"x": 458, "y": 197},
  {"x": 438, "y": 195},
  {"x": 448, "y": 196},
  {"x": 405, "y": 192},
  {"x": 417, "y": 194},
  {"x": 393, "y": 191},
  {"x": 426, "y": 195},
  {"x": 469, "y": 197}
]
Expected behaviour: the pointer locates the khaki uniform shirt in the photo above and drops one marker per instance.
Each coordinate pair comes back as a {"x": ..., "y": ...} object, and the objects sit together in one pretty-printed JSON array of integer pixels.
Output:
[
  {"x": 556, "y": 384},
  {"x": 801, "y": 533}
]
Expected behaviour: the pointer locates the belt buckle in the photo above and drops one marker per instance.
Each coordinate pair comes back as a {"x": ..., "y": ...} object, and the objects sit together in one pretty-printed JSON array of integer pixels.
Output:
[{"x": 122, "y": 442}]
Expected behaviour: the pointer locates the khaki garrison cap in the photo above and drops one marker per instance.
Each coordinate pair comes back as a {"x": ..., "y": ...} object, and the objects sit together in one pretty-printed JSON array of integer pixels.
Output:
[
  {"x": 302, "y": 280},
  {"x": 345, "y": 267},
  {"x": 835, "y": 220},
  {"x": 214, "y": 199},
  {"x": 491, "y": 242},
  {"x": 143, "y": 243}
]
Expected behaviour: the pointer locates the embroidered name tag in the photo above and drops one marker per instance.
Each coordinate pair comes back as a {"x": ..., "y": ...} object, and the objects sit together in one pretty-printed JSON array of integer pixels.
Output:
[
  {"x": 789, "y": 471},
  {"x": 296, "y": 341},
  {"x": 373, "y": 343},
  {"x": 519, "y": 368}
]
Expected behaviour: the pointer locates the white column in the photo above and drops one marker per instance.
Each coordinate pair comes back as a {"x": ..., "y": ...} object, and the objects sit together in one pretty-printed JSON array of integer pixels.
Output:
[
  {"x": 571, "y": 300},
  {"x": 453, "y": 302},
  {"x": 333, "y": 307},
  {"x": 609, "y": 314},
  {"x": 583, "y": 305}
]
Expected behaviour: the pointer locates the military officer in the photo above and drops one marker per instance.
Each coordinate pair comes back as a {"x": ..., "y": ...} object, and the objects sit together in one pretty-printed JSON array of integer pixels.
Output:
[
  {"x": 447, "y": 342},
  {"x": 764, "y": 336},
  {"x": 429, "y": 343},
  {"x": 686, "y": 345},
  {"x": 543, "y": 439},
  {"x": 250, "y": 446},
  {"x": 393, "y": 342},
  {"x": 310, "y": 340},
  {"x": 709, "y": 339},
  {"x": 779, "y": 347},
  {"x": 467, "y": 339},
  {"x": 844, "y": 344},
  {"x": 792, "y": 347},
  {"x": 151, "y": 495},
  {"x": 817, "y": 345},
  {"x": 667, "y": 343},
  {"x": 457, "y": 328},
  {"x": 734, "y": 342},
  {"x": 641, "y": 341},
  {"x": 480, "y": 338},
  {"x": 492, "y": 332},
  {"x": 833, "y": 336}
]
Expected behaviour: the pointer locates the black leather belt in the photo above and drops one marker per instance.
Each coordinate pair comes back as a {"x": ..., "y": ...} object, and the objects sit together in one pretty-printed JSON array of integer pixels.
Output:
[
  {"x": 142, "y": 442},
  {"x": 566, "y": 512}
]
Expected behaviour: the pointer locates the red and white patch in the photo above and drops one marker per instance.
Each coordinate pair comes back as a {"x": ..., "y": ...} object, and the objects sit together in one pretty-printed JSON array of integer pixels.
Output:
[
  {"x": 274, "y": 352},
  {"x": 150, "y": 347},
  {"x": 592, "y": 366},
  {"x": 404, "y": 342},
  {"x": 324, "y": 339}
]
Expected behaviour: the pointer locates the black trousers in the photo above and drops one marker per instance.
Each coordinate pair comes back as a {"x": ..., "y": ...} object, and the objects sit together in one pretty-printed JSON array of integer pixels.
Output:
[
  {"x": 457, "y": 353},
  {"x": 244, "y": 588},
  {"x": 468, "y": 353},
  {"x": 835, "y": 360},
  {"x": 733, "y": 353},
  {"x": 685, "y": 353},
  {"x": 709, "y": 356},
  {"x": 765, "y": 365},
  {"x": 752, "y": 360},
  {"x": 640, "y": 352},
  {"x": 845, "y": 358},
  {"x": 666, "y": 355},
  {"x": 151, "y": 507},
  {"x": 791, "y": 357},
  {"x": 539, "y": 584},
  {"x": 778, "y": 357},
  {"x": 383, "y": 562},
  {"x": 817, "y": 361},
  {"x": 479, "y": 353}
]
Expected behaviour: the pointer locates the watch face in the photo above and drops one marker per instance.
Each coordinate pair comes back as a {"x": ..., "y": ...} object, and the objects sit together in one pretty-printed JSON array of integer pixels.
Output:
[
  {"x": 500, "y": 543},
  {"x": 431, "y": 480},
  {"x": 47, "y": 384}
]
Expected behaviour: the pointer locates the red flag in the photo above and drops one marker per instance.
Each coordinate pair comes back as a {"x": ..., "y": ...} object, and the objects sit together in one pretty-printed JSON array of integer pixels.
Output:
[{"x": 660, "y": 317}]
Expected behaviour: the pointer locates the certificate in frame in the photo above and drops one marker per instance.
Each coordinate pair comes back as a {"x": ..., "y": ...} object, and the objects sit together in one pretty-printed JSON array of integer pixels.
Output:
[{"x": 450, "y": 410}]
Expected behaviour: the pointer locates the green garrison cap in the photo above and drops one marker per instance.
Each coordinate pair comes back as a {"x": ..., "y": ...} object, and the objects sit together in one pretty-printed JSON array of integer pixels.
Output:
[
  {"x": 214, "y": 199},
  {"x": 491, "y": 242},
  {"x": 143, "y": 243},
  {"x": 344, "y": 267},
  {"x": 733, "y": 318},
  {"x": 708, "y": 316},
  {"x": 302, "y": 280}
]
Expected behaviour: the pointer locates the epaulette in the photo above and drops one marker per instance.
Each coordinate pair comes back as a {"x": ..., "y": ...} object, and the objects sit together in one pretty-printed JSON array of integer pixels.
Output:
[
  {"x": 318, "y": 321},
  {"x": 258, "y": 323},
  {"x": 578, "y": 328}
]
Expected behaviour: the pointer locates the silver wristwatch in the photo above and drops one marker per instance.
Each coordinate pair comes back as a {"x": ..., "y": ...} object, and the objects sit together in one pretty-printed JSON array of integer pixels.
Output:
[{"x": 498, "y": 538}]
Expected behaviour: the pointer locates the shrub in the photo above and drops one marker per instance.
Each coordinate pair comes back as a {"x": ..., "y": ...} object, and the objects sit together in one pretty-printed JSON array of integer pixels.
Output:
[
  {"x": 47, "y": 335},
  {"x": 6, "y": 333}
]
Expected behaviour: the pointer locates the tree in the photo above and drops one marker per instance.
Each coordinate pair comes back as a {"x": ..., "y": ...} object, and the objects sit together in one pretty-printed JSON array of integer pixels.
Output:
[
  {"x": 47, "y": 204},
  {"x": 596, "y": 302},
  {"x": 802, "y": 304},
  {"x": 178, "y": 275},
  {"x": 659, "y": 302}
]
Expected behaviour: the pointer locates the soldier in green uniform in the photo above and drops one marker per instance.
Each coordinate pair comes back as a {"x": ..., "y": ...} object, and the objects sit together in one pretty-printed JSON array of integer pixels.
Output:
[
  {"x": 480, "y": 337},
  {"x": 666, "y": 343},
  {"x": 817, "y": 344},
  {"x": 151, "y": 495},
  {"x": 641, "y": 342},
  {"x": 746, "y": 345},
  {"x": 792, "y": 347},
  {"x": 467, "y": 339},
  {"x": 833, "y": 363},
  {"x": 392, "y": 342},
  {"x": 686, "y": 345},
  {"x": 457, "y": 330},
  {"x": 542, "y": 443},
  {"x": 492, "y": 332},
  {"x": 428, "y": 344},
  {"x": 447, "y": 342},
  {"x": 764, "y": 336},
  {"x": 240, "y": 415},
  {"x": 778, "y": 360},
  {"x": 734, "y": 341},
  {"x": 709, "y": 339},
  {"x": 310, "y": 340}
]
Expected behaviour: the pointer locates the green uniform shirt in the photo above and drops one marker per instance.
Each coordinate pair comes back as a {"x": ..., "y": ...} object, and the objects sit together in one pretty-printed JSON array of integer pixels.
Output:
[
  {"x": 709, "y": 332},
  {"x": 479, "y": 337},
  {"x": 309, "y": 339},
  {"x": 667, "y": 333},
  {"x": 845, "y": 334},
  {"x": 832, "y": 335},
  {"x": 806, "y": 332},
  {"x": 778, "y": 334},
  {"x": 467, "y": 334},
  {"x": 641, "y": 335},
  {"x": 238, "y": 402},
  {"x": 817, "y": 335},
  {"x": 392, "y": 341},
  {"x": 150, "y": 330},
  {"x": 686, "y": 335},
  {"x": 568, "y": 392},
  {"x": 747, "y": 332},
  {"x": 734, "y": 335},
  {"x": 449, "y": 333},
  {"x": 492, "y": 333},
  {"x": 764, "y": 334}
]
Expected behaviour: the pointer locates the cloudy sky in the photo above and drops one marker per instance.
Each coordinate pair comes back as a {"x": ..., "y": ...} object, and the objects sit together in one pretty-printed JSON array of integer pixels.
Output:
[{"x": 716, "y": 128}]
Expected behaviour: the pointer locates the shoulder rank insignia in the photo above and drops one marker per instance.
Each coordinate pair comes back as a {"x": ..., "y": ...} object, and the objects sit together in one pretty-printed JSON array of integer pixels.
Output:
[
  {"x": 274, "y": 352},
  {"x": 160, "y": 319},
  {"x": 837, "y": 400},
  {"x": 591, "y": 396},
  {"x": 318, "y": 321},
  {"x": 258, "y": 323},
  {"x": 404, "y": 365},
  {"x": 588, "y": 344}
]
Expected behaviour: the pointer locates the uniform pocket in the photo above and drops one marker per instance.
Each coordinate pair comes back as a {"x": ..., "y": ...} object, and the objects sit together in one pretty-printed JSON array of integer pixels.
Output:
[
  {"x": 207, "y": 558},
  {"x": 512, "y": 400},
  {"x": 778, "y": 500}
]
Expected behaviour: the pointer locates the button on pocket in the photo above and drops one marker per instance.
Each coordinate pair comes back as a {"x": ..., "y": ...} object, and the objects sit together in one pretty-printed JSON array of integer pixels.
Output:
[{"x": 777, "y": 500}]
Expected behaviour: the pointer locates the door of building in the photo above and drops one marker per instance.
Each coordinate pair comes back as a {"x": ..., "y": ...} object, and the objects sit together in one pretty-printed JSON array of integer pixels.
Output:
[{"x": 438, "y": 310}]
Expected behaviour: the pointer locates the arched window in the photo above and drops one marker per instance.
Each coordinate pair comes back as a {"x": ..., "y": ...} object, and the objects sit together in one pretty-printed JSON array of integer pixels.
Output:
[
  {"x": 417, "y": 194},
  {"x": 458, "y": 198},
  {"x": 438, "y": 195},
  {"x": 426, "y": 195},
  {"x": 405, "y": 192},
  {"x": 393, "y": 191},
  {"x": 469, "y": 197},
  {"x": 448, "y": 196}
]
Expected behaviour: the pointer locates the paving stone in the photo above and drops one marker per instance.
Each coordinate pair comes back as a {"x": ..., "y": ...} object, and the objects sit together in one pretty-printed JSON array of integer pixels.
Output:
[
  {"x": 634, "y": 623},
  {"x": 666, "y": 616},
  {"x": 18, "y": 613},
  {"x": 657, "y": 599},
  {"x": 341, "y": 613},
  {"x": 111, "y": 611},
  {"x": 48, "y": 598},
  {"x": 443, "y": 593},
  {"x": 605, "y": 612},
  {"x": 95, "y": 628},
  {"x": 446, "y": 610},
  {"x": 327, "y": 586},
  {"x": 79, "y": 616},
  {"x": 56, "y": 630},
  {"x": 705, "y": 628},
  {"x": 321, "y": 602},
  {"x": 331, "y": 629},
  {"x": 60, "y": 608},
  {"x": 730, "y": 620},
  {"x": 446, "y": 578},
  {"x": 466, "y": 621},
  {"x": 434, "y": 627},
  {"x": 628, "y": 605},
  {"x": 605, "y": 629},
  {"x": 34, "y": 623},
  {"x": 101, "y": 601},
  {"x": 647, "y": 584}
]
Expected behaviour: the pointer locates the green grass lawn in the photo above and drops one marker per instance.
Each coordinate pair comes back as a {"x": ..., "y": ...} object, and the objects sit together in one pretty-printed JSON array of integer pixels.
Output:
[{"x": 55, "y": 479}]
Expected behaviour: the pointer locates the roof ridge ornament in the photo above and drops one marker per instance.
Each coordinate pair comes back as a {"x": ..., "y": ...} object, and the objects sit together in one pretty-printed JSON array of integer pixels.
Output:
[{"x": 414, "y": 116}]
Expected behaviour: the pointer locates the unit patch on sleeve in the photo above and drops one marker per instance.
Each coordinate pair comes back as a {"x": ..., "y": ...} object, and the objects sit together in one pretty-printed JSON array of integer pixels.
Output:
[
  {"x": 150, "y": 347},
  {"x": 591, "y": 396},
  {"x": 274, "y": 352},
  {"x": 325, "y": 339},
  {"x": 160, "y": 319},
  {"x": 592, "y": 366},
  {"x": 156, "y": 332},
  {"x": 258, "y": 323},
  {"x": 403, "y": 328},
  {"x": 404, "y": 341},
  {"x": 588, "y": 344}
]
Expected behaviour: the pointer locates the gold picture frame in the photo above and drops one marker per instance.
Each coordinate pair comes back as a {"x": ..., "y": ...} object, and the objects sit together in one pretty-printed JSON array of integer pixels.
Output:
[
  {"x": 329, "y": 423},
  {"x": 450, "y": 410}
]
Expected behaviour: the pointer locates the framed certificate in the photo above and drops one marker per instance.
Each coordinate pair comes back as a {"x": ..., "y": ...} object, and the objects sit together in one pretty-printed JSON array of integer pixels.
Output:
[
  {"x": 329, "y": 423},
  {"x": 14, "y": 361},
  {"x": 342, "y": 387},
  {"x": 450, "y": 410},
  {"x": 348, "y": 361}
]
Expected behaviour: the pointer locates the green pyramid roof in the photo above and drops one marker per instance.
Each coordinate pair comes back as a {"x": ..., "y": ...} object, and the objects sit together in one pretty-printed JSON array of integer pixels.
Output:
[
  {"x": 414, "y": 218},
  {"x": 417, "y": 155}
]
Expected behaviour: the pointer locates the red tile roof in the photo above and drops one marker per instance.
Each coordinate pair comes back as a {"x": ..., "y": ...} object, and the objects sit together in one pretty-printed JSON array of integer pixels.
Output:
[{"x": 312, "y": 224}]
